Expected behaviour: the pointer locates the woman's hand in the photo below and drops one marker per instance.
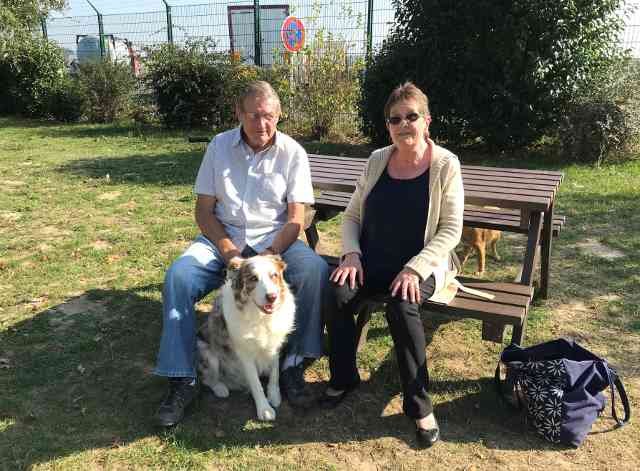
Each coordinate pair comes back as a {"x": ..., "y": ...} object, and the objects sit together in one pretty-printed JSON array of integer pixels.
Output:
[
  {"x": 407, "y": 282},
  {"x": 350, "y": 267}
]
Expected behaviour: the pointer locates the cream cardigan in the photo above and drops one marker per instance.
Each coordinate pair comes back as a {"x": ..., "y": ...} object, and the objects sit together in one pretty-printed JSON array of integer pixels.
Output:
[{"x": 444, "y": 221}]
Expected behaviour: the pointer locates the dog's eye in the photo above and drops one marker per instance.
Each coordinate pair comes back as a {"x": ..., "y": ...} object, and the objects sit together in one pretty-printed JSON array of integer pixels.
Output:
[
  {"x": 253, "y": 278},
  {"x": 274, "y": 276}
]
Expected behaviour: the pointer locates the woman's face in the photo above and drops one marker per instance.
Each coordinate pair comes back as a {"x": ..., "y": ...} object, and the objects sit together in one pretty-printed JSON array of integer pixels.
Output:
[{"x": 407, "y": 126}]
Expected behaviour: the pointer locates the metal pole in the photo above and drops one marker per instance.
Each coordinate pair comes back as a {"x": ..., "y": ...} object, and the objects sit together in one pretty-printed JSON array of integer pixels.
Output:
[
  {"x": 256, "y": 31},
  {"x": 43, "y": 22},
  {"x": 100, "y": 30},
  {"x": 369, "y": 30},
  {"x": 169, "y": 22}
]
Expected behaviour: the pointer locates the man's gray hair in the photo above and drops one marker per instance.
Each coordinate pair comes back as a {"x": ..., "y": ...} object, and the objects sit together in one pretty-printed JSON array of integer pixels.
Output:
[{"x": 258, "y": 88}]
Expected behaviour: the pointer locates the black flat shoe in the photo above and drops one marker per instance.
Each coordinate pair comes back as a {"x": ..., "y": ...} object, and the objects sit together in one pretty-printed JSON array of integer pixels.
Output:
[
  {"x": 427, "y": 437},
  {"x": 331, "y": 402}
]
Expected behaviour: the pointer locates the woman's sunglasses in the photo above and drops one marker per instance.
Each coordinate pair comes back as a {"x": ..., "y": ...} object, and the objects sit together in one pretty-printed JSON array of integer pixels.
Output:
[{"x": 395, "y": 120}]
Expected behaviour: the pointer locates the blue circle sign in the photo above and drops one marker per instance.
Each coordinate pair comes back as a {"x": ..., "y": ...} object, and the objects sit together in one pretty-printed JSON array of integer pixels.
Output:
[{"x": 292, "y": 34}]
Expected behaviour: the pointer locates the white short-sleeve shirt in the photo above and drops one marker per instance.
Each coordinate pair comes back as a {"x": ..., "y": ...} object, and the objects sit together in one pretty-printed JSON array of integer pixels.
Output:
[{"x": 253, "y": 189}]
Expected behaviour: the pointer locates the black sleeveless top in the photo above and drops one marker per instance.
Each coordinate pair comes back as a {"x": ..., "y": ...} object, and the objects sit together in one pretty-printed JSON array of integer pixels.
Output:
[{"x": 395, "y": 219}]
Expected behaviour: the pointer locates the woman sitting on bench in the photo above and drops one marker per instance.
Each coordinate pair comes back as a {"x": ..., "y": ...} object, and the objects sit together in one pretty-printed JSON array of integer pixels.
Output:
[{"x": 398, "y": 234}]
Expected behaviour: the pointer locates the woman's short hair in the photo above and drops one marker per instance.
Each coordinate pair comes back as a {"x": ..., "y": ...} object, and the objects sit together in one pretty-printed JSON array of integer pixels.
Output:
[
  {"x": 258, "y": 88},
  {"x": 407, "y": 91}
]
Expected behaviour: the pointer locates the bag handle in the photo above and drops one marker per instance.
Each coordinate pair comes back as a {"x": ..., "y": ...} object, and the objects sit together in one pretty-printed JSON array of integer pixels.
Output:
[
  {"x": 497, "y": 382},
  {"x": 617, "y": 385}
]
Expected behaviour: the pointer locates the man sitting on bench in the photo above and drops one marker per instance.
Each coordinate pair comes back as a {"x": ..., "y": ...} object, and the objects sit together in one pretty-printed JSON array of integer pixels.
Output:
[{"x": 399, "y": 233}]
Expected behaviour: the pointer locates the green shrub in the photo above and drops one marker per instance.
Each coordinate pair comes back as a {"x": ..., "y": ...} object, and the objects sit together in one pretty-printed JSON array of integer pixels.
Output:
[
  {"x": 327, "y": 88},
  {"x": 107, "y": 88},
  {"x": 502, "y": 71},
  {"x": 605, "y": 116},
  {"x": 195, "y": 86},
  {"x": 188, "y": 83},
  {"x": 31, "y": 69},
  {"x": 66, "y": 103}
]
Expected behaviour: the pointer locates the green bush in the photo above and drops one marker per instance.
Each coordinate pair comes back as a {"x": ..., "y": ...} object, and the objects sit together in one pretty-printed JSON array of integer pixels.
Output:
[
  {"x": 505, "y": 72},
  {"x": 107, "y": 88},
  {"x": 605, "y": 116},
  {"x": 195, "y": 86},
  {"x": 65, "y": 102},
  {"x": 31, "y": 70},
  {"x": 327, "y": 88},
  {"x": 187, "y": 82}
]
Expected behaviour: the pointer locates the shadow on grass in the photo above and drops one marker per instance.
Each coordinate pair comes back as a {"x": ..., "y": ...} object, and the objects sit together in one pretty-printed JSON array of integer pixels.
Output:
[
  {"x": 172, "y": 168},
  {"x": 81, "y": 379}
]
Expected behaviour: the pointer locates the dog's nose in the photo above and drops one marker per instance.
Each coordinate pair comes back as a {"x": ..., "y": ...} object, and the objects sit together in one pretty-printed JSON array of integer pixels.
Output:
[{"x": 271, "y": 297}]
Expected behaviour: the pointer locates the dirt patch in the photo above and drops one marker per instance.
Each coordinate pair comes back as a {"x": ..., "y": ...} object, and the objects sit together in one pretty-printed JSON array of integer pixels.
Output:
[
  {"x": 597, "y": 249},
  {"x": 109, "y": 196},
  {"x": 13, "y": 183},
  {"x": 583, "y": 322},
  {"x": 63, "y": 316},
  {"x": 52, "y": 231},
  {"x": 101, "y": 245},
  {"x": 9, "y": 216}
]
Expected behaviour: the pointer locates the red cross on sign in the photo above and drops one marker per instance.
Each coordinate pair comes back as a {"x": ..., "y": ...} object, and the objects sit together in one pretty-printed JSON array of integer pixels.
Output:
[{"x": 292, "y": 34}]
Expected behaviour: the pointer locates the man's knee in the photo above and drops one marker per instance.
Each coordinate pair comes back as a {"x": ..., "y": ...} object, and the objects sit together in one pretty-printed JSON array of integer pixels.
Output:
[{"x": 179, "y": 277}]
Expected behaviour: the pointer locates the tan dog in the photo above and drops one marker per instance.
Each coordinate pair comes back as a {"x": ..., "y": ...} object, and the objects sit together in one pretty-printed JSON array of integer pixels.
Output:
[{"x": 479, "y": 240}]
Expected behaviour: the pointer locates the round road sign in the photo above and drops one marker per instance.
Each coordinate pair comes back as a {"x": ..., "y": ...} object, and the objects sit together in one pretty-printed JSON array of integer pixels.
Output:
[{"x": 292, "y": 34}]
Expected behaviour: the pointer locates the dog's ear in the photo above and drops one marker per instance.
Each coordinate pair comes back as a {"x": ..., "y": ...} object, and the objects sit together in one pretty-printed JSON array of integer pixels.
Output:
[{"x": 279, "y": 262}]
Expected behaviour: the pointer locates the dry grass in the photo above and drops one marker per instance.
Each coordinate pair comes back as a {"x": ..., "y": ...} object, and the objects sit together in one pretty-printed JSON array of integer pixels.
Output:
[{"x": 81, "y": 262}]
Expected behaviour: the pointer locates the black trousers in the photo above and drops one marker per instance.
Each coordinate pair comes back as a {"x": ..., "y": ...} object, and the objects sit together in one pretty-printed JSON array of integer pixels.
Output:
[{"x": 407, "y": 333}]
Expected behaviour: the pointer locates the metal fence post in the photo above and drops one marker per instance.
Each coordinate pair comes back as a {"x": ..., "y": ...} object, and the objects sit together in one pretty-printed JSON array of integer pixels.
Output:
[
  {"x": 369, "y": 30},
  {"x": 100, "y": 30},
  {"x": 256, "y": 31},
  {"x": 43, "y": 23},
  {"x": 169, "y": 22}
]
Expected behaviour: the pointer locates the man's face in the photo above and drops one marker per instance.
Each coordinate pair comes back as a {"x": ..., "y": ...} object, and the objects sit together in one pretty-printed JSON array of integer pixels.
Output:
[{"x": 259, "y": 117}]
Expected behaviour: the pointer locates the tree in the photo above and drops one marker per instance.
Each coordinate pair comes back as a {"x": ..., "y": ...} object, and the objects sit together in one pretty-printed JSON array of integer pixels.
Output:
[
  {"x": 502, "y": 70},
  {"x": 16, "y": 15}
]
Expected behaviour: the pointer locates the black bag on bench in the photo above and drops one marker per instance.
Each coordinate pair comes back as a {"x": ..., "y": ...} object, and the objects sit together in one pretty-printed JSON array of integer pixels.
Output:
[{"x": 560, "y": 385}]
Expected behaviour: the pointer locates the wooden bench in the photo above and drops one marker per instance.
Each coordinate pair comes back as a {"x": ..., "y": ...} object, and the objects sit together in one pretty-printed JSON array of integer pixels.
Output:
[
  {"x": 514, "y": 200},
  {"x": 510, "y": 306},
  {"x": 329, "y": 203}
]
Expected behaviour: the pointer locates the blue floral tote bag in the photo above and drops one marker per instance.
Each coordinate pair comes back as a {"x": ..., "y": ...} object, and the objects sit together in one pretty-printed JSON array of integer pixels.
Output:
[{"x": 559, "y": 385}]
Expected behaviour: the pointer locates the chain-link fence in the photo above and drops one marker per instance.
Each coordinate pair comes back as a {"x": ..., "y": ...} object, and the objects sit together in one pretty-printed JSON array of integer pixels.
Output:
[{"x": 250, "y": 28}]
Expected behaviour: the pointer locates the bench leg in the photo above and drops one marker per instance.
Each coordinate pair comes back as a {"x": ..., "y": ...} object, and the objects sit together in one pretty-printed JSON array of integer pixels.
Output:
[
  {"x": 533, "y": 240},
  {"x": 518, "y": 333},
  {"x": 312, "y": 235},
  {"x": 545, "y": 259},
  {"x": 362, "y": 325},
  {"x": 492, "y": 332}
]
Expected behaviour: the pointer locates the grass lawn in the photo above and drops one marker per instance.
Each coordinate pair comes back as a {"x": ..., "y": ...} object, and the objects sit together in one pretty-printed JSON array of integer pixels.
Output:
[{"x": 91, "y": 217}]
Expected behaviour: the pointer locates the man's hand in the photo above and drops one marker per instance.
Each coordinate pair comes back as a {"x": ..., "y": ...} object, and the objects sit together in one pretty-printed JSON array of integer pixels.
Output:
[
  {"x": 235, "y": 262},
  {"x": 407, "y": 283},
  {"x": 213, "y": 229},
  {"x": 350, "y": 268}
]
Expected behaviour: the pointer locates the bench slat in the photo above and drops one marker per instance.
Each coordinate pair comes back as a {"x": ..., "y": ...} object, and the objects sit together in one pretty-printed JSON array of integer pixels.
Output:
[{"x": 482, "y": 310}]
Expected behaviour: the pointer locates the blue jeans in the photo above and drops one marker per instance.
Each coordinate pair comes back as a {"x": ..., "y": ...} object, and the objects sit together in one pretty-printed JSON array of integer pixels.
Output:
[{"x": 200, "y": 270}]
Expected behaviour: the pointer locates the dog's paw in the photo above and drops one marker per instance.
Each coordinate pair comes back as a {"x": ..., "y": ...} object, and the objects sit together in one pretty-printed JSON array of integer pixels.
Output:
[
  {"x": 220, "y": 390},
  {"x": 266, "y": 413},
  {"x": 275, "y": 399}
]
